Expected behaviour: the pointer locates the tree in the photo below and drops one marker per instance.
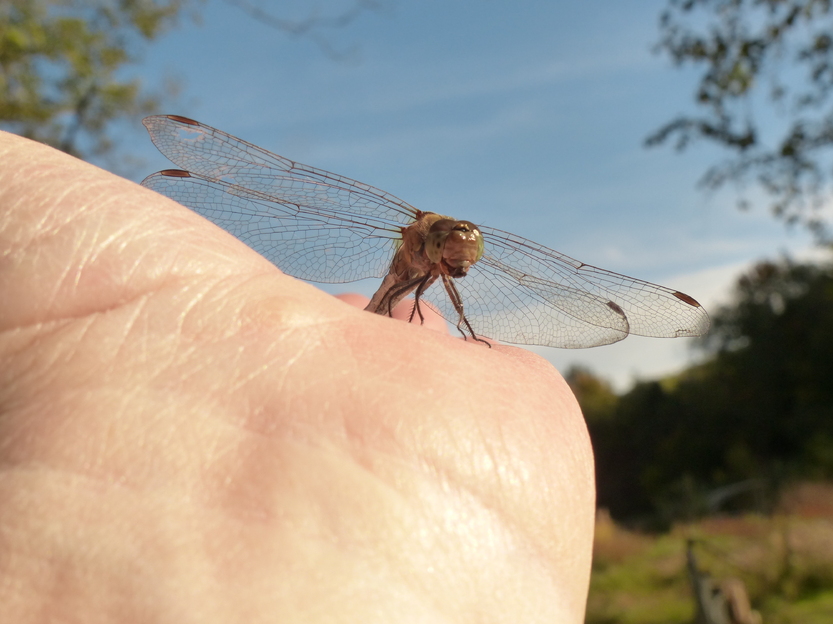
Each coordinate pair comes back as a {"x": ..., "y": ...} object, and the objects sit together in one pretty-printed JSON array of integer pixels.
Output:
[
  {"x": 775, "y": 53},
  {"x": 597, "y": 398},
  {"x": 775, "y": 354},
  {"x": 60, "y": 62},
  {"x": 759, "y": 410}
]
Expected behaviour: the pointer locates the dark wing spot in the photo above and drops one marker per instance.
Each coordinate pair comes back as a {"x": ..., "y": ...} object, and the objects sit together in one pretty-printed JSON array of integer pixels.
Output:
[
  {"x": 616, "y": 308},
  {"x": 182, "y": 119},
  {"x": 175, "y": 173},
  {"x": 685, "y": 298}
]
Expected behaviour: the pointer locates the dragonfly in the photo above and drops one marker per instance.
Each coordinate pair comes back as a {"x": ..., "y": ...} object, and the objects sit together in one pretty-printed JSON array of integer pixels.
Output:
[{"x": 324, "y": 227}]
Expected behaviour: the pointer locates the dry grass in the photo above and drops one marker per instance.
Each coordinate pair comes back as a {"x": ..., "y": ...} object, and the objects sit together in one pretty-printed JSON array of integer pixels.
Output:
[{"x": 785, "y": 561}]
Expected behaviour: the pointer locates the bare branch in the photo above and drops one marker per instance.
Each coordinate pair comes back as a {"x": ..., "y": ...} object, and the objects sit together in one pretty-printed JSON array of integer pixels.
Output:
[
  {"x": 311, "y": 27},
  {"x": 740, "y": 45}
]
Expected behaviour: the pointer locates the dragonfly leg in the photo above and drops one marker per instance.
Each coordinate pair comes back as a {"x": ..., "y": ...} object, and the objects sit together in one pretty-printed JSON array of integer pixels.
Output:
[
  {"x": 457, "y": 302},
  {"x": 421, "y": 288}
]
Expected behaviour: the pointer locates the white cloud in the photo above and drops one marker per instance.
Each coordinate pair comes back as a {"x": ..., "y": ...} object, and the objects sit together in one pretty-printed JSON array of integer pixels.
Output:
[{"x": 637, "y": 358}]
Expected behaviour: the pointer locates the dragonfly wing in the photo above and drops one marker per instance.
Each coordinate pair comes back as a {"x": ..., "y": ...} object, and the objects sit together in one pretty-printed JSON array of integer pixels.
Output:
[
  {"x": 500, "y": 305},
  {"x": 312, "y": 243},
  {"x": 321, "y": 226},
  {"x": 213, "y": 153},
  {"x": 525, "y": 293}
]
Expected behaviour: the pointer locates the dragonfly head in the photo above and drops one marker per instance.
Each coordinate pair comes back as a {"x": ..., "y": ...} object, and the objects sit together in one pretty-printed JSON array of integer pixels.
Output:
[{"x": 454, "y": 245}]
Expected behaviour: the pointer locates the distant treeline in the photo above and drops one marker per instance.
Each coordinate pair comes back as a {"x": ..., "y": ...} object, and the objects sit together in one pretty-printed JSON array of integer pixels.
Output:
[{"x": 726, "y": 433}]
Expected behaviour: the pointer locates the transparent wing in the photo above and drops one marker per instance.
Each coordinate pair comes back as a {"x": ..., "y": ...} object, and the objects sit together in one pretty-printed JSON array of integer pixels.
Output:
[
  {"x": 525, "y": 293},
  {"x": 323, "y": 227},
  {"x": 563, "y": 318},
  {"x": 310, "y": 237},
  {"x": 214, "y": 154}
]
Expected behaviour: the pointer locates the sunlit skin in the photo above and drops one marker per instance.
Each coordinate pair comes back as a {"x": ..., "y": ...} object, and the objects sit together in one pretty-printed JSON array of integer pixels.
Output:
[{"x": 188, "y": 435}]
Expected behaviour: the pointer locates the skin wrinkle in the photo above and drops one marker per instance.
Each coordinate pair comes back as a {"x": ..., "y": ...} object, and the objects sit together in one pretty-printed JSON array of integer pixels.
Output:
[
  {"x": 71, "y": 353},
  {"x": 359, "y": 436},
  {"x": 396, "y": 433},
  {"x": 78, "y": 315},
  {"x": 144, "y": 352},
  {"x": 490, "y": 450},
  {"x": 85, "y": 472},
  {"x": 273, "y": 360},
  {"x": 202, "y": 290},
  {"x": 136, "y": 311},
  {"x": 92, "y": 264},
  {"x": 99, "y": 249},
  {"x": 456, "y": 523},
  {"x": 91, "y": 251},
  {"x": 56, "y": 230},
  {"x": 64, "y": 277},
  {"x": 201, "y": 365},
  {"x": 181, "y": 339},
  {"x": 411, "y": 576},
  {"x": 26, "y": 345},
  {"x": 40, "y": 228},
  {"x": 96, "y": 320},
  {"x": 508, "y": 517},
  {"x": 491, "y": 504},
  {"x": 86, "y": 564},
  {"x": 147, "y": 256},
  {"x": 78, "y": 329}
]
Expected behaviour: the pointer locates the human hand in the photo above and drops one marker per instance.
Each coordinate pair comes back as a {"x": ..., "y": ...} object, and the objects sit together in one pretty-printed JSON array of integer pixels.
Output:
[{"x": 187, "y": 435}]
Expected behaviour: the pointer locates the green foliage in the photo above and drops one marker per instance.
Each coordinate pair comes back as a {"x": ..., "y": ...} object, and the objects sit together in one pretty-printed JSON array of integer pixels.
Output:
[
  {"x": 759, "y": 411},
  {"x": 597, "y": 398},
  {"x": 817, "y": 610},
  {"x": 750, "y": 51},
  {"x": 60, "y": 66}
]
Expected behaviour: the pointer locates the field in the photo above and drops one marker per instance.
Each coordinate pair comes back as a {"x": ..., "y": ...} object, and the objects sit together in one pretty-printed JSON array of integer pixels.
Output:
[{"x": 784, "y": 560}]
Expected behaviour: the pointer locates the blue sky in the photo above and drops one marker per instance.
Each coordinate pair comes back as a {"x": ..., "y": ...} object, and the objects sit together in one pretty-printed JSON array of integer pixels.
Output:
[{"x": 528, "y": 117}]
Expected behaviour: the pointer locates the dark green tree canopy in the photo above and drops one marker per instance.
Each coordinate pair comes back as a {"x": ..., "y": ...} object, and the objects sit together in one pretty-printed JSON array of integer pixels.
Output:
[
  {"x": 759, "y": 60},
  {"x": 760, "y": 408}
]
